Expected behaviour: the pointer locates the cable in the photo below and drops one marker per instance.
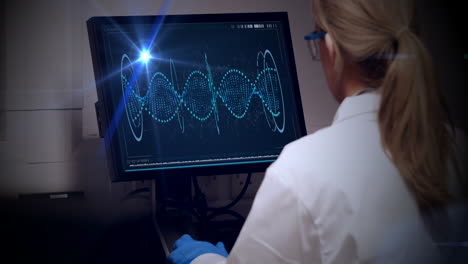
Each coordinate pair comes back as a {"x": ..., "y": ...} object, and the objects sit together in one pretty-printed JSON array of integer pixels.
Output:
[
  {"x": 183, "y": 206},
  {"x": 200, "y": 203},
  {"x": 238, "y": 198},
  {"x": 134, "y": 193},
  {"x": 228, "y": 212},
  {"x": 196, "y": 184}
]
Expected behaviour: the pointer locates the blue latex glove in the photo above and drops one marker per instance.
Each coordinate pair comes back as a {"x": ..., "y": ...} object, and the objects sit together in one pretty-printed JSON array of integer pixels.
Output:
[{"x": 186, "y": 249}]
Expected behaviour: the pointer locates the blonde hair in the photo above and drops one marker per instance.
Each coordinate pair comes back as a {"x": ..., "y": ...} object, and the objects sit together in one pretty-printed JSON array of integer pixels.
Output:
[{"x": 376, "y": 36}]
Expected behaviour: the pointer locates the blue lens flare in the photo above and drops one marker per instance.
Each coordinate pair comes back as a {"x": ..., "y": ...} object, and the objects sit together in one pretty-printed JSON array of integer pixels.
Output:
[{"x": 145, "y": 56}]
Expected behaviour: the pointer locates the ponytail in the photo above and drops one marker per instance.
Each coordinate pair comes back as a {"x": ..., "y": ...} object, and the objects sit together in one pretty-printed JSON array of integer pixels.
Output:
[
  {"x": 413, "y": 122},
  {"x": 413, "y": 118}
]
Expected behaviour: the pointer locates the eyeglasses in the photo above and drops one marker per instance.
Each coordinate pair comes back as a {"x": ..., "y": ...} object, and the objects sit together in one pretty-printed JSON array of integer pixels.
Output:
[{"x": 313, "y": 41}]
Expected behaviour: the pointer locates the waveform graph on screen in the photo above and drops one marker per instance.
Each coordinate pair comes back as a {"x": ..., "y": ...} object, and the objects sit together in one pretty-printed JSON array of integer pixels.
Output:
[
  {"x": 134, "y": 102},
  {"x": 200, "y": 97}
]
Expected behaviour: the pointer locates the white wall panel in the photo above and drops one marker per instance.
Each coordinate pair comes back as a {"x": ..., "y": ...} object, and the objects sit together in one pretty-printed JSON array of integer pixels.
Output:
[
  {"x": 13, "y": 149},
  {"x": 49, "y": 136},
  {"x": 41, "y": 136},
  {"x": 41, "y": 152},
  {"x": 2, "y": 73},
  {"x": 25, "y": 178},
  {"x": 43, "y": 54}
]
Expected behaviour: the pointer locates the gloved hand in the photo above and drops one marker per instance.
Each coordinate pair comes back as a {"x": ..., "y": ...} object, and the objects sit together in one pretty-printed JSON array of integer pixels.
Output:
[{"x": 186, "y": 249}]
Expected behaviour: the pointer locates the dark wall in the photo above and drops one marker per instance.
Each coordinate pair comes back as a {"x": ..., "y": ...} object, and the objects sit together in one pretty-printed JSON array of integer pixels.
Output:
[
  {"x": 442, "y": 29},
  {"x": 2, "y": 73}
]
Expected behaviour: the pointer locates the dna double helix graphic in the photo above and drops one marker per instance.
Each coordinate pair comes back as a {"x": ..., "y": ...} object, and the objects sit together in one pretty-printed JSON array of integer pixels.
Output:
[{"x": 200, "y": 97}]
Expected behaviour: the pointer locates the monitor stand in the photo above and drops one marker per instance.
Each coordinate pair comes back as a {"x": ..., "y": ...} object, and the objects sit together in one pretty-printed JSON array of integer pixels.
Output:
[
  {"x": 171, "y": 198},
  {"x": 176, "y": 212}
]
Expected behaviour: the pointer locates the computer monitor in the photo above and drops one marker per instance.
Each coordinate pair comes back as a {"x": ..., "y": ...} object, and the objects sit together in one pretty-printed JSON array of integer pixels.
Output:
[{"x": 195, "y": 94}]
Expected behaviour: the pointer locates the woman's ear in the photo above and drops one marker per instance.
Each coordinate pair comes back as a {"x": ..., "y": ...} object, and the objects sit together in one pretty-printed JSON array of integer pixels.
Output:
[{"x": 331, "y": 47}]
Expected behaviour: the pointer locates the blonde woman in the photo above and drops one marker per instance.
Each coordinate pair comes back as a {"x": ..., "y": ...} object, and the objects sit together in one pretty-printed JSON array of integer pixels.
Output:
[{"x": 356, "y": 191}]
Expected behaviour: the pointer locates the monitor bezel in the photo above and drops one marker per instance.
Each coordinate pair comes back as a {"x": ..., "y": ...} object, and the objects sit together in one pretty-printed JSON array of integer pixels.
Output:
[{"x": 116, "y": 170}]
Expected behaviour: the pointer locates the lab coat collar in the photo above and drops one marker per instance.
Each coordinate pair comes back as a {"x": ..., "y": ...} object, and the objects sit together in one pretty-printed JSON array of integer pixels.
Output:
[{"x": 367, "y": 102}]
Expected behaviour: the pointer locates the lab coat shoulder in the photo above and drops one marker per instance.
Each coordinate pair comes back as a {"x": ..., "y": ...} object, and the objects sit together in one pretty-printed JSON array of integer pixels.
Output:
[
  {"x": 303, "y": 166},
  {"x": 303, "y": 154},
  {"x": 279, "y": 229},
  {"x": 352, "y": 192},
  {"x": 324, "y": 160},
  {"x": 297, "y": 213}
]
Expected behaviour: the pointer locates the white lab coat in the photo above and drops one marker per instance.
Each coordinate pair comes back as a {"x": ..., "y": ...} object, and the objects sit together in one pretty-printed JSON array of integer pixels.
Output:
[{"x": 333, "y": 197}]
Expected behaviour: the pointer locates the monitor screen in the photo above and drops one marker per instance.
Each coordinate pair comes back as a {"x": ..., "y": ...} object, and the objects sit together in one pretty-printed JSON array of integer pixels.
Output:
[{"x": 198, "y": 94}]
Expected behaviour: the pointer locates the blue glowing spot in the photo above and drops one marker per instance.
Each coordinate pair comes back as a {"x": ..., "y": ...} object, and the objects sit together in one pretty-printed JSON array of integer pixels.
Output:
[{"x": 145, "y": 56}]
